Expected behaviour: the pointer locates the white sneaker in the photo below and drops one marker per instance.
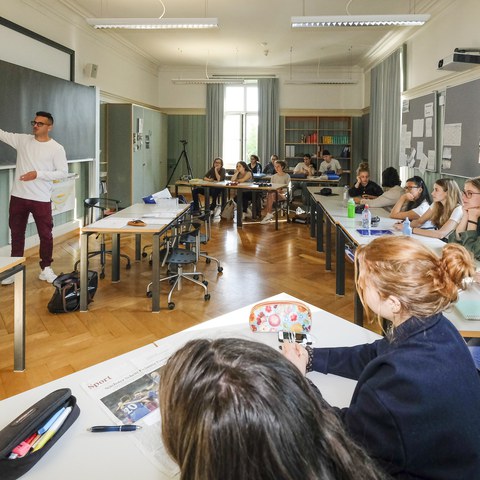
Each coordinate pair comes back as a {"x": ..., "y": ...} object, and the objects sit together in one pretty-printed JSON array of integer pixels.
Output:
[
  {"x": 267, "y": 218},
  {"x": 48, "y": 275},
  {"x": 8, "y": 281}
]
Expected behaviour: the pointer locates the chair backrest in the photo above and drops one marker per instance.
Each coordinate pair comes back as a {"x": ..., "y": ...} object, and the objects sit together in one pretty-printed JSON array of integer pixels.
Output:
[{"x": 101, "y": 206}]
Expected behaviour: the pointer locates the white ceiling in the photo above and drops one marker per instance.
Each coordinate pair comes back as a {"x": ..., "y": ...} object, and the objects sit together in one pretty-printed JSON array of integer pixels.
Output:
[{"x": 256, "y": 34}]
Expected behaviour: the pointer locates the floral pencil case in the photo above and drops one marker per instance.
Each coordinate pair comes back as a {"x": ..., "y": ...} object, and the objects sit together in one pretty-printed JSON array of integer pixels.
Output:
[{"x": 273, "y": 316}]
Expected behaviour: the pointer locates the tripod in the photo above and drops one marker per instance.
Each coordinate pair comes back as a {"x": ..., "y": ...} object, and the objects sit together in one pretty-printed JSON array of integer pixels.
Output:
[{"x": 184, "y": 155}]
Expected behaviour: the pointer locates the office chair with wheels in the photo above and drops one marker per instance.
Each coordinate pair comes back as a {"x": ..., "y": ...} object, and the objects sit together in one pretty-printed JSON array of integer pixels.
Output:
[
  {"x": 105, "y": 207},
  {"x": 178, "y": 256},
  {"x": 204, "y": 238}
]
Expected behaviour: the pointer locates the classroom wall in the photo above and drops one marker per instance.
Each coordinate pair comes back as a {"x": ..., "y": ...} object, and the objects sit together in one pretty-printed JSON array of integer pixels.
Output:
[
  {"x": 292, "y": 97},
  {"x": 121, "y": 71},
  {"x": 457, "y": 26}
]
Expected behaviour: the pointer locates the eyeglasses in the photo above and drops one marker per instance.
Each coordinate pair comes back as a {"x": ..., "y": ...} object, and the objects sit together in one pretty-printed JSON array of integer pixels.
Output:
[
  {"x": 469, "y": 193},
  {"x": 38, "y": 124},
  {"x": 411, "y": 188}
]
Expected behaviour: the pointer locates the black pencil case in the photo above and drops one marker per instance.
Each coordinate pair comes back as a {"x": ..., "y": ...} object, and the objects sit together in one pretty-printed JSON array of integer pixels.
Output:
[{"x": 28, "y": 423}]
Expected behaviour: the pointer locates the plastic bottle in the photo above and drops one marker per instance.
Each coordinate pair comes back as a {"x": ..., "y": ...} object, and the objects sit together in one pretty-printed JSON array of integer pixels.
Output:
[
  {"x": 351, "y": 208},
  {"x": 407, "y": 229},
  {"x": 345, "y": 196},
  {"x": 366, "y": 218}
]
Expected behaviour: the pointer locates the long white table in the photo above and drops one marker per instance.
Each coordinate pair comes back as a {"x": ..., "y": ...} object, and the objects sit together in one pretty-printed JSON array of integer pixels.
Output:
[
  {"x": 116, "y": 225},
  {"x": 16, "y": 266},
  {"x": 330, "y": 209},
  {"x": 80, "y": 454}
]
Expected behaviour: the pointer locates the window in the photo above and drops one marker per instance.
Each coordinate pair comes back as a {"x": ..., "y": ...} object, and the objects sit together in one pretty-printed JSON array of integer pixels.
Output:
[{"x": 240, "y": 123}]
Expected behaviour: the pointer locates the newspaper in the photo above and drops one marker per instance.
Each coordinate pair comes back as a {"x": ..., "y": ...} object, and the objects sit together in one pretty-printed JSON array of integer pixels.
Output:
[{"x": 129, "y": 394}]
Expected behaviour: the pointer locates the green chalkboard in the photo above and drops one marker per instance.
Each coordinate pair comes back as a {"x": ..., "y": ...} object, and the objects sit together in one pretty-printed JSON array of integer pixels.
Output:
[{"x": 24, "y": 91}]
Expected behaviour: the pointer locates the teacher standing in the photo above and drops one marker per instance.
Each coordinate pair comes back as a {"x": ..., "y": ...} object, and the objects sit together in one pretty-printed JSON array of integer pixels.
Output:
[{"x": 40, "y": 160}]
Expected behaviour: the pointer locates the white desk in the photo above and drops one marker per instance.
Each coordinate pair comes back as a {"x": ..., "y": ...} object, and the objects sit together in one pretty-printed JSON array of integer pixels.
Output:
[
  {"x": 116, "y": 225},
  {"x": 239, "y": 188},
  {"x": 80, "y": 454},
  {"x": 332, "y": 210},
  {"x": 15, "y": 266}
]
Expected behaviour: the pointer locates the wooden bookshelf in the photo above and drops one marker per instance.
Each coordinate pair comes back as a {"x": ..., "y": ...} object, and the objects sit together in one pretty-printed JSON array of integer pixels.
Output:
[{"x": 312, "y": 134}]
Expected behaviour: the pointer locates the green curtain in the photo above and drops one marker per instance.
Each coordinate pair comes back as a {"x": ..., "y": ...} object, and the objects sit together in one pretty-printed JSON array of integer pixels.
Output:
[
  {"x": 385, "y": 115},
  {"x": 214, "y": 144},
  {"x": 268, "y": 119}
]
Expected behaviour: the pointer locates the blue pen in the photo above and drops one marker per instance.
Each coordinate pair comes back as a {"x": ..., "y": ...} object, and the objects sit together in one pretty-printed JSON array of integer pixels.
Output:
[{"x": 51, "y": 421}]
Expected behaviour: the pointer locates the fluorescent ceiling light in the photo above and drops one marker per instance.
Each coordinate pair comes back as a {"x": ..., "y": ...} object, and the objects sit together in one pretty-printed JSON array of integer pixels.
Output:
[
  {"x": 153, "y": 23},
  {"x": 202, "y": 81},
  {"x": 359, "y": 21},
  {"x": 327, "y": 81}
]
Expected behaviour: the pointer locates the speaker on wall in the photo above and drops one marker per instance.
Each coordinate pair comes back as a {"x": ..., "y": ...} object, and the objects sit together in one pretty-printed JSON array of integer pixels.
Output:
[{"x": 91, "y": 70}]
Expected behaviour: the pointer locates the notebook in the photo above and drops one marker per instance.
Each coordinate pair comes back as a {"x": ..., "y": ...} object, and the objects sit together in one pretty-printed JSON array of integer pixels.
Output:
[{"x": 470, "y": 309}]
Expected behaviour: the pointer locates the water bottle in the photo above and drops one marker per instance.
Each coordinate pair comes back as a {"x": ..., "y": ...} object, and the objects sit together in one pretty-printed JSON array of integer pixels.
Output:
[
  {"x": 366, "y": 218},
  {"x": 407, "y": 229},
  {"x": 345, "y": 196},
  {"x": 351, "y": 208}
]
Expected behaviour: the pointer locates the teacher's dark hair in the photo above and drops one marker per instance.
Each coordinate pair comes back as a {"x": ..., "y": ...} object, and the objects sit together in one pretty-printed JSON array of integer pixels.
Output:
[
  {"x": 234, "y": 409},
  {"x": 46, "y": 115}
]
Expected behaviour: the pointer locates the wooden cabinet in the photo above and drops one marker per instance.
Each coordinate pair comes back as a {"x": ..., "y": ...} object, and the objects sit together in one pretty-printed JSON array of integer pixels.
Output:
[
  {"x": 313, "y": 134},
  {"x": 136, "y": 152}
]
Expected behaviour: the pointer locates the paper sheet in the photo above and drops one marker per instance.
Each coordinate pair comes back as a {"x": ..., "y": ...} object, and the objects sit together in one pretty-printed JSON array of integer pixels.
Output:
[
  {"x": 111, "y": 222},
  {"x": 452, "y": 134},
  {"x": 417, "y": 130}
]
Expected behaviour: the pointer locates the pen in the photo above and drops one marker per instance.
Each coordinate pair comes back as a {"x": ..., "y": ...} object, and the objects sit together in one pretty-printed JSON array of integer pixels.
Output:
[
  {"x": 51, "y": 421},
  {"x": 23, "y": 448},
  {"x": 114, "y": 428},
  {"x": 53, "y": 429}
]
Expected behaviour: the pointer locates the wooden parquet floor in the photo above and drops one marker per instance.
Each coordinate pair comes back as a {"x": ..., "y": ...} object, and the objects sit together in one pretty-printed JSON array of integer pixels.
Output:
[{"x": 258, "y": 262}]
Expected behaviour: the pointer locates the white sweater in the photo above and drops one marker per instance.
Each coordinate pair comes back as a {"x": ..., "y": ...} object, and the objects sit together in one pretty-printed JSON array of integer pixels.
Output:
[{"x": 48, "y": 159}]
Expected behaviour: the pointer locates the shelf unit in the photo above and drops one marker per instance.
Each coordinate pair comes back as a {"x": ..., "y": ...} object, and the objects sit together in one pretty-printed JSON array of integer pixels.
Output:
[{"x": 312, "y": 134}]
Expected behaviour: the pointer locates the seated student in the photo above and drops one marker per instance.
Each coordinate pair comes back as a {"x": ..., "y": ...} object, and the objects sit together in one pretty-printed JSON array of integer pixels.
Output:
[
  {"x": 243, "y": 175},
  {"x": 255, "y": 165},
  {"x": 233, "y": 409},
  {"x": 269, "y": 169},
  {"x": 392, "y": 190},
  {"x": 468, "y": 230},
  {"x": 304, "y": 168},
  {"x": 280, "y": 178},
  {"x": 445, "y": 212},
  {"x": 414, "y": 202},
  {"x": 364, "y": 187},
  {"x": 215, "y": 174},
  {"x": 329, "y": 164},
  {"x": 415, "y": 406}
]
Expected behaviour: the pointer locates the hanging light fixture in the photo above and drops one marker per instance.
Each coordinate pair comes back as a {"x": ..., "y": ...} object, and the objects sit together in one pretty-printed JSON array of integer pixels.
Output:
[
  {"x": 407, "y": 20},
  {"x": 349, "y": 20},
  {"x": 154, "y": 23}
]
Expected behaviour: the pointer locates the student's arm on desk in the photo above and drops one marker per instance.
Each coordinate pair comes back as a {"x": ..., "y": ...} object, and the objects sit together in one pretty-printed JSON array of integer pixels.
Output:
[{"x": 443, "y": 232}]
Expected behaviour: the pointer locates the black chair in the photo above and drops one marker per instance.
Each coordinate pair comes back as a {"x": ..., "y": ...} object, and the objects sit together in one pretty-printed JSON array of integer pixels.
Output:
[
  {"x": 179, "y": 253},
  {"x": 204, "y": 238},
  {"x": 103, "y": 207}
]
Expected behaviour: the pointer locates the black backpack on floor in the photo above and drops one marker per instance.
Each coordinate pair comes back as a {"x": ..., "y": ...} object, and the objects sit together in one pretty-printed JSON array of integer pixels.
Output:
[{"x": 66, "y": 297}]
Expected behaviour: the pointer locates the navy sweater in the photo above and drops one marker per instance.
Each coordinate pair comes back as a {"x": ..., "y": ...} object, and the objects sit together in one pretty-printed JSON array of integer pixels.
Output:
[
  {"x": 416, "y": 406},
  {"x": 371, "y": 188}
]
